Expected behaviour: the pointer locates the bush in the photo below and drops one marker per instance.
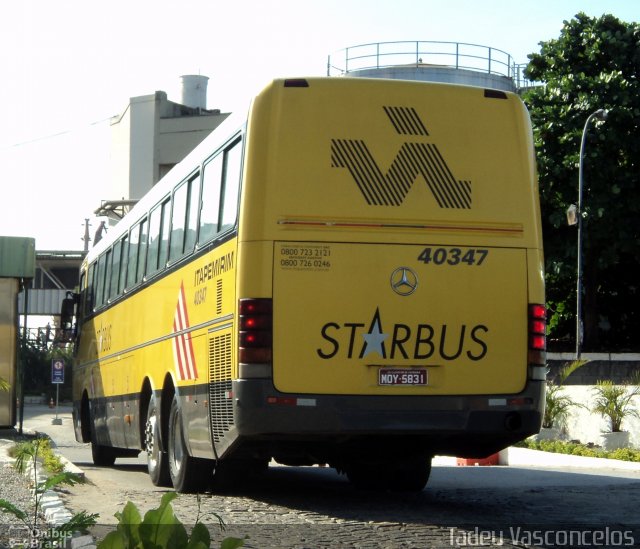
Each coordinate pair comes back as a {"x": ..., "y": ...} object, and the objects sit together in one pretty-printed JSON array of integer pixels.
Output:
[{"x": 575, "y": 449}]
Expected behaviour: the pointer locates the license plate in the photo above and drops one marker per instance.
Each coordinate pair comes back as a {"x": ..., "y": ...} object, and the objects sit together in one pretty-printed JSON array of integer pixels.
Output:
[{"x": 395, "y": 376}]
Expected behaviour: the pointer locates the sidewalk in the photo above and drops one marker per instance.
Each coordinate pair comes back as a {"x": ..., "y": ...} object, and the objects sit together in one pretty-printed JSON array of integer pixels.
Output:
[{"x": 56, "y": 423}]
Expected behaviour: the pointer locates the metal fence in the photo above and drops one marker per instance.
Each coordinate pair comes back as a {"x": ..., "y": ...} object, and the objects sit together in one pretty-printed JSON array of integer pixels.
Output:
[{"x": 458, "y": 55}]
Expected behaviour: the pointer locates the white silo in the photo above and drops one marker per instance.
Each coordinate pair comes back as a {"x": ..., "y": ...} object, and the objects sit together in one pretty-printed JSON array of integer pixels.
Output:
[
  {"x": 450, "y": 62},
  {"x": 194, "y": 91}
]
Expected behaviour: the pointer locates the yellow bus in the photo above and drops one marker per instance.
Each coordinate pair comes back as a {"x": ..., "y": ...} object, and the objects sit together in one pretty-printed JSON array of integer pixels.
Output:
[{"x": 350, "y": 275}]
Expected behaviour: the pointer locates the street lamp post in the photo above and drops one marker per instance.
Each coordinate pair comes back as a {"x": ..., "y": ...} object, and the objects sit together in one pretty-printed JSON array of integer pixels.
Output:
[{"x": 600, "y": 114}]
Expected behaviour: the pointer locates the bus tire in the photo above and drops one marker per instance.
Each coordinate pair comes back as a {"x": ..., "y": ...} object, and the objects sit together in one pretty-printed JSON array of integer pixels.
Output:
[
  {"x": 103, "y": 456},
  {"x": 398, "y": 475},
  {"x": 234, "y": 473},
  {"x": 157, "y": 460},
  {"x": 411, "y": 475},
  {"x": 187, "y": 473}
]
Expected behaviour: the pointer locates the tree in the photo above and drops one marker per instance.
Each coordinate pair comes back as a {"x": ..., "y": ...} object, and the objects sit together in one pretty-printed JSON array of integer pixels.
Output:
[
  {"x": 37, "y": 370},
  {"x": 594, "y": 64}
]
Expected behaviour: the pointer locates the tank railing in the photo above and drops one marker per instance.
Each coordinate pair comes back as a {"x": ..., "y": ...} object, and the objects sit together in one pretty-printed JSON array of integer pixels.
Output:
[
  {"x": 522, "y": 82},
  {"x": 460, "y": 55}
]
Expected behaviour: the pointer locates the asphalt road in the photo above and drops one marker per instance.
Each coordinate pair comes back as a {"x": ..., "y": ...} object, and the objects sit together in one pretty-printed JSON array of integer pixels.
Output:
[{"x": 316, "y": 507}]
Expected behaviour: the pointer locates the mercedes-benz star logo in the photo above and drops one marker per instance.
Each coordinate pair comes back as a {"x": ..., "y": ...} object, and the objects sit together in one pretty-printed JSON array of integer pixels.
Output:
[{"x": 404, "y": 281}]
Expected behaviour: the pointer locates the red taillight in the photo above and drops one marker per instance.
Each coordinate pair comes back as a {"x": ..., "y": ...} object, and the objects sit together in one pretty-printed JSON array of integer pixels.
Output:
[
  {"x": 537, "y": 327},
  {"x": 537, "y": 311},
  {"x": 537, "y": 334},
  {"x": 258, "y": 306},
  {"x": 255, "y": 331}
]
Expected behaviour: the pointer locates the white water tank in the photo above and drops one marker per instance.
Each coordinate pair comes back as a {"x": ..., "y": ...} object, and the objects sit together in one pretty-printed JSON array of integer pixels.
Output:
[
  {"x": 449, "y": 62},
  {"x": 194, "y": 91}
]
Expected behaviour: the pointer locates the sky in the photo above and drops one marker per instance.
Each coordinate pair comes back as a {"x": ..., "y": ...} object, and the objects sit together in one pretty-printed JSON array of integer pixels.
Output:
[{"x": 68, "y": 66}]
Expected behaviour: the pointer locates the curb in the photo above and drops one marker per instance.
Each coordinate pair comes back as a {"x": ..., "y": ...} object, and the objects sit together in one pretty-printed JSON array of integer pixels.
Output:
[
  {"x": 537, "y": 458},
  {"x": 524, "y": 457},
  {"x": 51, "y": 504}
]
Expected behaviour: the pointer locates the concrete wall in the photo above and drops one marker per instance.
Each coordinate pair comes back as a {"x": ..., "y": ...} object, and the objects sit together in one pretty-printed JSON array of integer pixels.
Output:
[
  {"x": 586, "y": 426},
  {"x": 177, "y": 137},
  {"x": 620, "y": 368}
]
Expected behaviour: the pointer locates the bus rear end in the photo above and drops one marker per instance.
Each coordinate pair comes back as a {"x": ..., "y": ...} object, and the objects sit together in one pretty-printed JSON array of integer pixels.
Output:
[{"x": 390, "y": 277}]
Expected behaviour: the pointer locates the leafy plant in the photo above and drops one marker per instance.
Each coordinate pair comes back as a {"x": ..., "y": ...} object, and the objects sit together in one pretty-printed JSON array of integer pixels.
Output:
[
  {"x": 614, "y": 403},
  {"x": 160, "y": 529},
  {"x": 50, "y": 461},
  {"x": 557, "y": 406},
  {"x": 557, "y": 403},
  {"x": 31, "y": 452}
]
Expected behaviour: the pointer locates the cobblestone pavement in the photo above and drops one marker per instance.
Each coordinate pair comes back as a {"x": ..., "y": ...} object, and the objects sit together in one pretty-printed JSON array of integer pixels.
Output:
[
  {"x": 300, "y": 508},
  {"x": 314, "y": 508}
]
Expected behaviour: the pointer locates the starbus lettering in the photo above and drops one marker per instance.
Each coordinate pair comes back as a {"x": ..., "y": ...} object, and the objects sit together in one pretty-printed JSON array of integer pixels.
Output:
[
  {"x": 402, "y": 341},
  {"x": 213, "y": 269}
]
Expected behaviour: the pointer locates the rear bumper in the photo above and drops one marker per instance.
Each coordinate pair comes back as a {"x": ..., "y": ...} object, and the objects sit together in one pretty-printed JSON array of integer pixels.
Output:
[{"x": 445, "y": 425}]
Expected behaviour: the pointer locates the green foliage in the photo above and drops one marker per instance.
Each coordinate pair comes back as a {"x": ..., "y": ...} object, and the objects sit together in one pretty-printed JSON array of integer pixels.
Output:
[
  {"x": 615, "y": 403},
  {"x": 32, "y": 452},
  {"x": 593, "y": 64},
  {"x": 557, "y": 403},
  {"x": 572, "y": 448},
  {"x": 37, "y": 369},
  {"x": 41, "y": 447},
  {"x": 557, "y": 406},
  {"x": 159, "y": 529}
]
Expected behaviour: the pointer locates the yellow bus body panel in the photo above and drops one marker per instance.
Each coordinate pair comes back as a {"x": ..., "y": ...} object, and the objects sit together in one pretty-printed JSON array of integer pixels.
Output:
[
  {"x": 324, "y": 162},
  {"x": 457, "y": 324}
]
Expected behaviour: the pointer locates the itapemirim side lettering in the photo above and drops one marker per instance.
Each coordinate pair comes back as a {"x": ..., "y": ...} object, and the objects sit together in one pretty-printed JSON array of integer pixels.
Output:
[
  {"x": 413, "y": 159},
  {"x": 213, "y": 269}
]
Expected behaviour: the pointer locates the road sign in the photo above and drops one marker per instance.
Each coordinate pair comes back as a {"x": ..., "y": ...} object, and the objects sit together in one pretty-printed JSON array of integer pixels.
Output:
[{"x": 57, "y": 370}]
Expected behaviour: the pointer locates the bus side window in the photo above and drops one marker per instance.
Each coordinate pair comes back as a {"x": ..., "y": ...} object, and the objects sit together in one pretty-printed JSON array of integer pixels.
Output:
[
  {"x": 142, "y": 250},
  {"x": 107, "y": 278},
  {"x": 193, "y": 205},
  {"x": 122, "y": 276},
  {"x": 178, "y": 217},
  {"x": 165, "y": 227},
  {"x": 184, "y": 218},
  {"x": 232, "y": 165},
  {"x": 88, "y": 292},
  {"x": 154, "y": 240},
  {"x": 99, "y": 280},
  {"x": 115, "y": 269},
  {"x": 132, "y": 256},
  {"x": 211, "y": 183},
  {"x": 83, "y": 297}
]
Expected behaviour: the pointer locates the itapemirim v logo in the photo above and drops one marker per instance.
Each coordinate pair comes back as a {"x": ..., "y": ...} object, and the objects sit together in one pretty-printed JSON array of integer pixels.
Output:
[{"x": 413, "y": 159}]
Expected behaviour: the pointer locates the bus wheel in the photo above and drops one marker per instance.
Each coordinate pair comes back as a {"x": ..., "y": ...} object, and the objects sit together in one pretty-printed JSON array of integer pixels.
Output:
[
  {"x": 411, "y": 475},
  {"x": 398, "y": 475},
  {"x": 103, "y": 456},
  {"x": 157, "y": 460},
  {"x": 187, "y": 473},
  {"x": 234, "y": 473}
]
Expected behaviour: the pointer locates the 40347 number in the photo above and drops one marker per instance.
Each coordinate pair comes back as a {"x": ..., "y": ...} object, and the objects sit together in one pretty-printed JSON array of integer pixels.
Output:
[{"x": 453, "y": 256}]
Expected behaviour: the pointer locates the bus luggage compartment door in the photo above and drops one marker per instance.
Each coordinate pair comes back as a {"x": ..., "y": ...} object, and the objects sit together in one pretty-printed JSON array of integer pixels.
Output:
[{"x": 389, "y": 319}]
